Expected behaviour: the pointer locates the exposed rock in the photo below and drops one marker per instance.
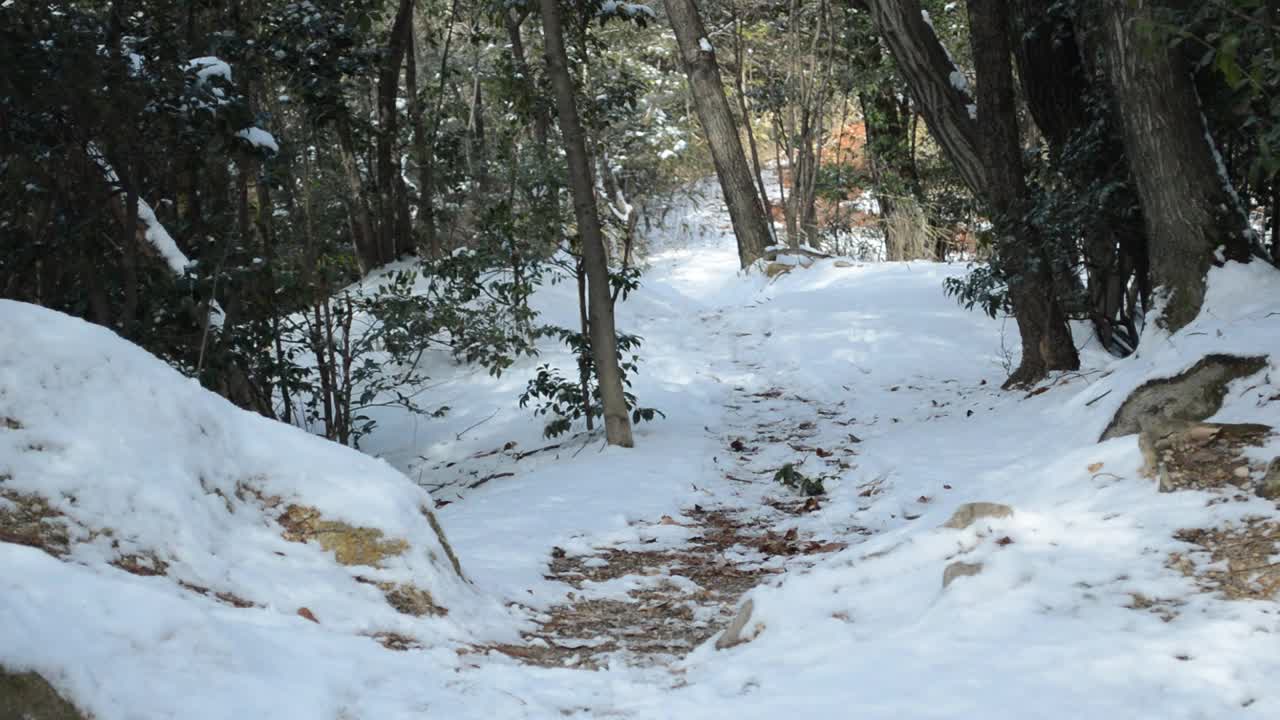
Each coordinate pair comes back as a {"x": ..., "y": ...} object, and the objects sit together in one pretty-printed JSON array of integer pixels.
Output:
[
  {"x": 411, "y": 600},
  {"x": 774, "y": 269},
  {"x": 1270, "y": 487},
  {"x": 808, "y": 254},
  {"x": 844, "y": 264},
  {"x": 27, "y": 696},
  {"x": 1235, "y": 559},
  {"x": 968, "y": 513},
  {"x": 1198, "y": 456},
  {"x": 1193, "y": 395},
  {"x": 350, "y": 545},
  {"x": 732, "y": 635},
  {"x": 958, "y": 570}
]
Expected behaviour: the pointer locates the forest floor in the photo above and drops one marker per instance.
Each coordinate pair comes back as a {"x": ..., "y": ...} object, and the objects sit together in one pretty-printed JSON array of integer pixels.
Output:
[
  {"x": 628, "y": 564},
  {"x": 820, "y": 430}
]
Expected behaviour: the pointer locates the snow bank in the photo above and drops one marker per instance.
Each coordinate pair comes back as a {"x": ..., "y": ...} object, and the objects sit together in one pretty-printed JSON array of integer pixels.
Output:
[{"x": 175, "y": 583}]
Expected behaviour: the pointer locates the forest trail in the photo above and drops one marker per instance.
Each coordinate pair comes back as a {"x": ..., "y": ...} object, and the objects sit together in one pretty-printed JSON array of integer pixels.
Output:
[{"x": 869, "y": 379}]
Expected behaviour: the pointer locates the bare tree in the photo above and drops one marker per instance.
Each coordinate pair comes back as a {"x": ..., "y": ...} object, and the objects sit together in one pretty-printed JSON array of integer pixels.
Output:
[
  {"x": 750, "y": 225},
  {"x": 603, "y": 337}
]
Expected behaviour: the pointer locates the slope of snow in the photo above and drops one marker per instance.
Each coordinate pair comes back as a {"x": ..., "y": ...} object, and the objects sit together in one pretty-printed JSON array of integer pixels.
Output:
[{"x": 148, "y": 469}]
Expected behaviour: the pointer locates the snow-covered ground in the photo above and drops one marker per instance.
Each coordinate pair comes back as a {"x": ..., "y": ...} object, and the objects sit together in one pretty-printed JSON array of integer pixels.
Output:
[{"x": 871, "y": 364}]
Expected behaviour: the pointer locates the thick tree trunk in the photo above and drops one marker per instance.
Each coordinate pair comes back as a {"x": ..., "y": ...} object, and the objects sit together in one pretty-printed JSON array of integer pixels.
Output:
[
  {"x": 1046, "y": 338},
  {"x": 1191, "y": 211},
  {"x": 603, "y": 337},
  {"x": 1057, "y": 85},
  {"x": 750, "y": 225}
]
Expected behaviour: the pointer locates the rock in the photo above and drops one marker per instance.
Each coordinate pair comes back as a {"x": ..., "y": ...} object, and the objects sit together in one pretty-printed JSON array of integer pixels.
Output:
[
  {"x": 774, "y": 269},
  {"x": 966, "y": 514},
  {"x": 350, "y": 545},
  {"x": 1193, "y": 395},
  {"x": 27, "y": 696},
  {"x": 411, "y": 600},
  {"x": 1270, "y": 487},
  {"x": 808, "y": 253},
  {"x": 732, "y": 635},
  {"x": 844, "y": 264},
  {"x": 959, "y": 570}
]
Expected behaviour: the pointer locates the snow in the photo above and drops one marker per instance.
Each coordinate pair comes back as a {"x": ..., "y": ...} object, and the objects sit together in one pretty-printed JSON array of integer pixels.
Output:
[
  {"x": 259, "y": 138},
  {"x": 143, "y": 462},
  {"x": 705, "y": 45},
  {"x": 1044, "y": 631},
  {"x": 153, "y": 230},
  {"x": 210, "y": 67}
]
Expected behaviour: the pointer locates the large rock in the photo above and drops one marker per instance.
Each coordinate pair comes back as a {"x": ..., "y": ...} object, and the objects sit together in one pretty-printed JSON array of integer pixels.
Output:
[
  {"x": 1192, "y": 395},
  {"x": 349, "y": 545},
  {"x": 368, "y": 546},
  {"x": 969, "y": 513},
  {"x": 27, "y": 696}
]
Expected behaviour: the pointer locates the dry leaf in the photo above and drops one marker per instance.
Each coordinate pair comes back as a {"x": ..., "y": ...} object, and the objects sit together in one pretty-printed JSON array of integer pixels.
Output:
[
  {"x": 306, "y": 613},
  {"x": 1095, "y": 467}
]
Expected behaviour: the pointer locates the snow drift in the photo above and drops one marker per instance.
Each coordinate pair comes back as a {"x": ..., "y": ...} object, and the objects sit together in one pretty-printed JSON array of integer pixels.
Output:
[{"x": 154, "y": 532}]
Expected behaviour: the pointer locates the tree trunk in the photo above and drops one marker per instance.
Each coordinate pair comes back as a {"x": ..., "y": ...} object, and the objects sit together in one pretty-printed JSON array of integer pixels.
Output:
[
  {"x": 1042, "y": 325},
  {"x": 923, "y": 62},
  {"x": 604, "y": 341},
  {"x": 1190, "y": 208},
  {"x": 359, "y": 216},
  {"x": 388, "y": 163},
  {"x": 740, "y": 83},
  {"x": 749, "y": 223},
  {"x": 1057, "y": 85}
]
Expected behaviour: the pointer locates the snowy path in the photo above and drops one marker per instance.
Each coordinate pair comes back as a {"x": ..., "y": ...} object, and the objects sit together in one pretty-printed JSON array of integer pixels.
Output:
[{"x": 871, "y": 379}]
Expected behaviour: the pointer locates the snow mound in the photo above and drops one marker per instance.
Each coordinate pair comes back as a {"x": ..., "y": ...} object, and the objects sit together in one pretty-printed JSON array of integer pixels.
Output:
[{"x": 177, "y": 527}]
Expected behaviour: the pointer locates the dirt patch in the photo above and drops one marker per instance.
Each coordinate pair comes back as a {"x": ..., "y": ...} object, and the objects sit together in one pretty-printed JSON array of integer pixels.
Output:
[
  {"x": 1202, "y": 456},
  {"x": 682, "y": 597},
  {"x": 1235, "y": 560},
  {"x": 224, "y": 597},
  {"x": 30, "y": 520}
]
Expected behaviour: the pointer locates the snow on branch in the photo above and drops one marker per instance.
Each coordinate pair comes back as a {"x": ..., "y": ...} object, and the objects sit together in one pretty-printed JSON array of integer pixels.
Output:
[{"x": 152, "y": 230}]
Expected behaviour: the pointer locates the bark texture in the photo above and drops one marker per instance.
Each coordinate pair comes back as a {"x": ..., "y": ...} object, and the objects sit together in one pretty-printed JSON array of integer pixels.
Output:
[
  {"x": 929, "y": 72},
  {"x": 750, "y": 225},
  {"x": 604, "y": 342},
  {"x": 1042, "y": 325},
  {"x": 1189, "y": 206}
]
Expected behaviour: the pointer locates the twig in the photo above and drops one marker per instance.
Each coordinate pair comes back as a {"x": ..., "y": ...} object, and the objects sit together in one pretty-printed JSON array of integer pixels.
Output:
[
  {"x": 1097, "y": 398},
  {"x": 523, "y": 455},
  {"x": 487, "y": 478},
  {"x": 473, "y": 427}
]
